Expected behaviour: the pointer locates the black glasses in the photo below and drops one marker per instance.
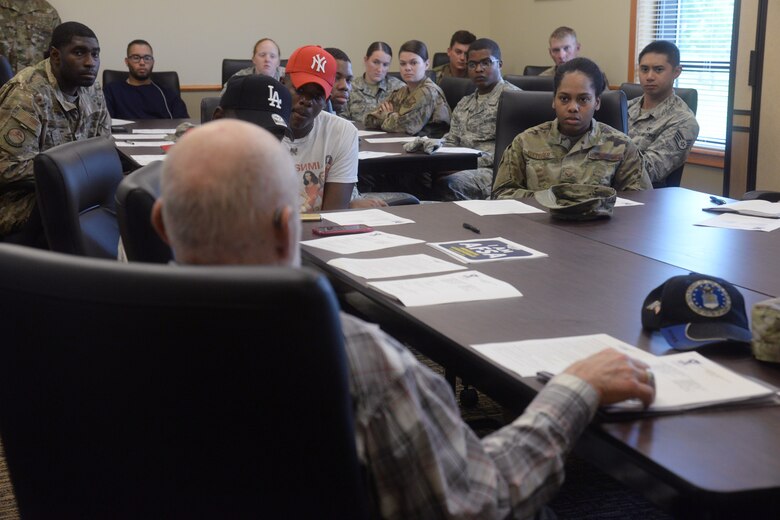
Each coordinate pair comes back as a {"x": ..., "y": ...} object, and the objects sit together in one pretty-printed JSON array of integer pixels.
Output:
[
  {"x": 485, "y": 64},
  {"x": 135, "y": 58}
]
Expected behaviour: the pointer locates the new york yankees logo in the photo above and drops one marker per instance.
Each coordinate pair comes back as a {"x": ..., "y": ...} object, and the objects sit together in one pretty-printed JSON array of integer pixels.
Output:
[
  {"x": 318, "y": 63},
  {"x": 273, "y": 97}
]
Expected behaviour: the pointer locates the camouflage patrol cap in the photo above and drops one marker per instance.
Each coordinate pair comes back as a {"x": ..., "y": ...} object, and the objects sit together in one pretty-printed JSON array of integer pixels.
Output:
[
  {"x": 766, "y": 330},
  {"x": 578, "y": 201}
]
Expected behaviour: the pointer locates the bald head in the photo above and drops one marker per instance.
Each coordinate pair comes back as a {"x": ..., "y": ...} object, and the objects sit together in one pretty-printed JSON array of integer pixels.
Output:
[{"x": 228, "y": 196}]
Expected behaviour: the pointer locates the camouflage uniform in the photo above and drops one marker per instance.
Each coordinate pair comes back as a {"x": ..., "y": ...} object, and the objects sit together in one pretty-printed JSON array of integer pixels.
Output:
[
  {"x": 25, "y": 31},
  {"x": 664, "y": 134},
  {"x": 364, "y": 97},
  {"x": 422, "y": 111},
  {"x": 549, "y": 72},
  {"x": 542, "y": 157},
  {"x": 36, "y": 116},
  {"x": 444, "y": 71},
  {"x": 248, "y": 72},
  {"x": 473, "y": 126}
]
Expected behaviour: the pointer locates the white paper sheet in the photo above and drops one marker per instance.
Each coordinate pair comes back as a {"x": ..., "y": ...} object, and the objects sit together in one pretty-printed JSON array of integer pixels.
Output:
[
  {"x": 734, "y": 221},
  {"x": 138, "y": 137},
  {"x": 458, "y": 149},
  {"x": 365, "y": 133},
  {"x": 394, "y": 266},
  {"x": 683, "y": 381},
  {"x": 497, "y": 207},
  {"x": 132, "y": 144},
  {"x": 528, "y": 357},
  {"x": 143, "y": 160},
  {"x": 350, "y": 244},
  {"x": 463, "y": 286},
  {"x": 623, "y": 203},
  {"x": 369, "y": 217},
  {"x": 115, "y": 121},
  {"x": 381, "y": 140},
  {"x": 366, "y": 154},
  {"x": 154, "y": 130}
]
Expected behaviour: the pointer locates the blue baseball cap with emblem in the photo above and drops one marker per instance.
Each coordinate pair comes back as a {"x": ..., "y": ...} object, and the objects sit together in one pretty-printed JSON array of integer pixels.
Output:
[{"x": 695, "y": 310}]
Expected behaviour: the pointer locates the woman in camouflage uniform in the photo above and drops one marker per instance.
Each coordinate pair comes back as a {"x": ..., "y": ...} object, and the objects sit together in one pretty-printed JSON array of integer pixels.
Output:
[
  {"x": 374, "y": 86},
  {"x": 419, "y": 108},
  {"x": 574, "y": 148}
]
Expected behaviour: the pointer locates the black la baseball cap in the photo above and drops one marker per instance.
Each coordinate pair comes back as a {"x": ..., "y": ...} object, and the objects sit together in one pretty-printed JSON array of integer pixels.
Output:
[
  {"x": 260, "y": 100},
  {"x": 695, "y": 310}
]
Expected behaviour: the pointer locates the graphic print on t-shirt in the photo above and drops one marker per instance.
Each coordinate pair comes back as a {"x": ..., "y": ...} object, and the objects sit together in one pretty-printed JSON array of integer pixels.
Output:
[{"x": 314, "y": 175}]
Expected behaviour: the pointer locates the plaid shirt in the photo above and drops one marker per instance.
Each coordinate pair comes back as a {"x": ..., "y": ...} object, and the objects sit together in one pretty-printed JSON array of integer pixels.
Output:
[{"x": 423, "y": 461}]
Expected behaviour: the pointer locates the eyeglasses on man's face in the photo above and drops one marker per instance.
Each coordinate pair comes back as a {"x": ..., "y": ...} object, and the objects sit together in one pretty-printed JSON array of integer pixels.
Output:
[
  {"x": 485, "y": 64},
  {"x": 136, "y": 58}
]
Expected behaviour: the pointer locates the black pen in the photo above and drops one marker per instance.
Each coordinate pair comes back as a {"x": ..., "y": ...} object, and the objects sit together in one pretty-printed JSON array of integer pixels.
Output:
[
  {"x": 544, "y": 376},
  {"x": 716, "y": 200},
  {"x": 468, "y": 226}
]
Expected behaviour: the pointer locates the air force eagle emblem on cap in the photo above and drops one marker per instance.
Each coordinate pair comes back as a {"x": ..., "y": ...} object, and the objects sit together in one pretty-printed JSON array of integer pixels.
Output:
[
  {"x": 708, "y": 298},
  {"x": 318, "y": 63}
]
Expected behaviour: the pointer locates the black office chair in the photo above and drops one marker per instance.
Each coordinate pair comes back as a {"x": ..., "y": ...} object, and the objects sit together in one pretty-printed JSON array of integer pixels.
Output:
[
  {"x": 231, "y": 65},
  {"x": 771, "y": 196},
  {"x": 430, "y": 73},
  {"x": 207, "y": 107},
  {"x": 519, "y": 111},
  {"x": 613, "y": 110},
  {"x": 536, "y": 83},
  {"x": 6, "y": 72},
  {"x": 76, "y": 183},
  {"x": 456, "y": 89},
  {"x": 135, "y": 197},
  {"x": 534, "y": 70},
  {"x": 689, "y": 95},
  {"x": 168, "y": 79},
  {"x": 139, "y": 391},
  {"x": 691, "y": 98},
  {"x": 440, "y": 58}
]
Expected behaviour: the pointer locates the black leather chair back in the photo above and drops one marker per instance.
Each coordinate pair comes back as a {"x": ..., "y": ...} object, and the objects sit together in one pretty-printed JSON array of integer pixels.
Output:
[
  {"x": 440, "y": 58},
  {"x": 456, "y": 89},
  {"x": 135, "y": 197},
  {"x": 207, "y": 107},
  {"x": 140, "y": 391},
  {"x": 536, "y": 83},
  {"x": 519, "y": 111},
  {"x": 6, "y": 72},
  {"x": 691, "y": 98},
  {"x": 230, "y": 66},
  {"x": 613, "y": 110},
  {"x": 534, "y": 70},
  {"x": 689, "y": 95},
  {"x": 168, "y": 79},
  {"x": 75, "y": 187}
]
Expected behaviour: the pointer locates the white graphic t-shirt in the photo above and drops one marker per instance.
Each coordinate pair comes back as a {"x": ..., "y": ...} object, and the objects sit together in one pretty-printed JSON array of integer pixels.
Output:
[{"x": 328, "y": 154}]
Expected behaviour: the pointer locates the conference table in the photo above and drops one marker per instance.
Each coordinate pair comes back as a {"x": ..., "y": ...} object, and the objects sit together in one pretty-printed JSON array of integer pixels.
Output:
[
  {"x": 708, "y": 463},
  {"x": 400, "y": 162}
]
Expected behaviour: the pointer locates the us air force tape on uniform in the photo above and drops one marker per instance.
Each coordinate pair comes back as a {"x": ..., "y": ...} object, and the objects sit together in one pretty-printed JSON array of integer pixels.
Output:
[{"x": 578, "y": 201}]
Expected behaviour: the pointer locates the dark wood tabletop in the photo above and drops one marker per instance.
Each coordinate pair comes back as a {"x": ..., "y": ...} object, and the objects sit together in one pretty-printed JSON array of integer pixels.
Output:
[{"x": 695, "y": 464}]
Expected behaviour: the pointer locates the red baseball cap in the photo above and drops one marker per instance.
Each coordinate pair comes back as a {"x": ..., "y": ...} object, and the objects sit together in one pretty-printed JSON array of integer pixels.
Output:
[{"x": 312, "y": 64}]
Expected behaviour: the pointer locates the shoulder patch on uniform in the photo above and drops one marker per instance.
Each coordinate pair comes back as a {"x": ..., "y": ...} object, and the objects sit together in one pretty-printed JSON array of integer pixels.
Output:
[
  {"x": 680, "y": 140},
  {"x": 14, "y": 137},
  {"x": 26, "y": 119}
]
